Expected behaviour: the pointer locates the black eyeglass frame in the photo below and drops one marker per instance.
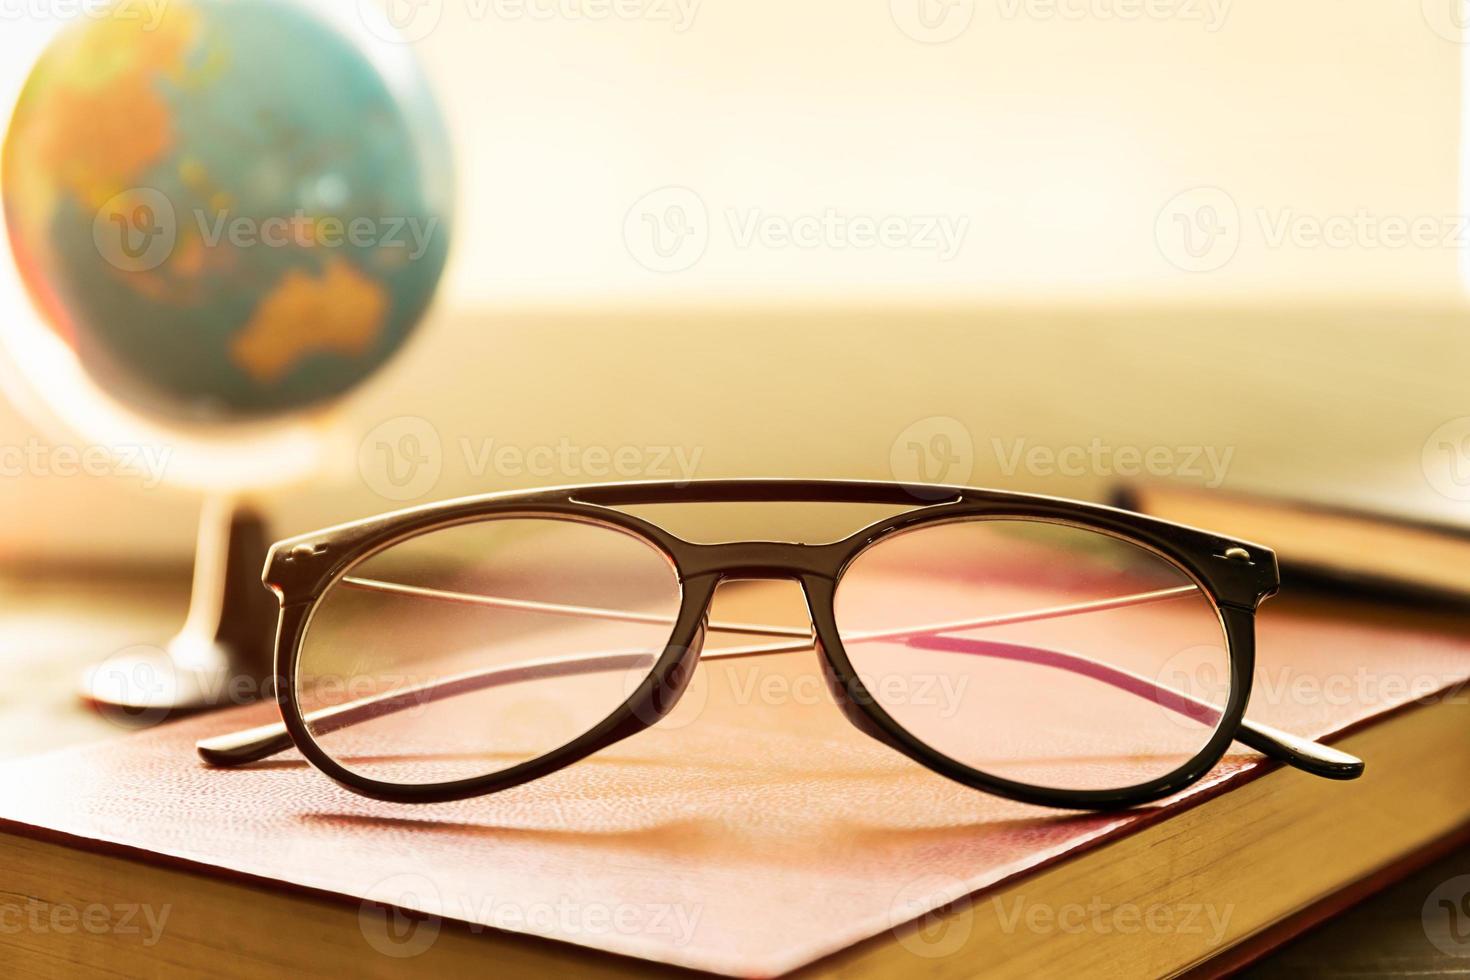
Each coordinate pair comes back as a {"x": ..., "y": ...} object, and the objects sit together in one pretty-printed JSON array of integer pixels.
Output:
[{"x": 1235, "y": 575}]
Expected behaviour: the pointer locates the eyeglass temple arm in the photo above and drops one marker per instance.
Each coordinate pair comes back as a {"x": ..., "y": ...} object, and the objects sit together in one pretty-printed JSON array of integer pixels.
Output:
[
  {"x": 1304, "y": 754},
  {"x": 254, "y": 744}
]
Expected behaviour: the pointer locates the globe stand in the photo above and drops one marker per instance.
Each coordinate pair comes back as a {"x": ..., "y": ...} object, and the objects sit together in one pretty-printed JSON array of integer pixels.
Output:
[{"x": 222, "y": 655}]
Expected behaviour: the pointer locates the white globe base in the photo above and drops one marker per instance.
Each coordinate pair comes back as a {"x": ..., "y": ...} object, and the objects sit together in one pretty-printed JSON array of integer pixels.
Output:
[{"x": 222, "y": 655}]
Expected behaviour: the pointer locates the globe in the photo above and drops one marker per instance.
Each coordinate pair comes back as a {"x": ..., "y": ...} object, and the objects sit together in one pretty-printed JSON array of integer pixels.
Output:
[
  {"x": 227, "y": 210},
  {"x": 227, "y": 213}
]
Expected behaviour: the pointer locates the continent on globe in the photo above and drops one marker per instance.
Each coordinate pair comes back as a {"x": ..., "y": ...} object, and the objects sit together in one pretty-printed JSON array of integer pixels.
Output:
[
  {"x": 166, "y": 186},
  {"x": 342, "y": 312}
]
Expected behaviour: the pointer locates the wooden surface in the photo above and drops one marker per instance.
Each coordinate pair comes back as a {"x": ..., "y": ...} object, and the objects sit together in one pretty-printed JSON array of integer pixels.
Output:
[
  {"x": 49, "y": 632},
  {"x": 53, "y": 625},
  {"x": 1389, "y": 935}
]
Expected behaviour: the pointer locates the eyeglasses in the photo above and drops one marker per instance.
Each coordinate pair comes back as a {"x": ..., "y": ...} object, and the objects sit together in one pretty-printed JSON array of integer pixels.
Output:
[{"x": 1045, "y": 650}]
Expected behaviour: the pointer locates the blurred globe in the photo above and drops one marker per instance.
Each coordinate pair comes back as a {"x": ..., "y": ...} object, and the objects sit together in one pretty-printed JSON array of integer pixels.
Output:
[{"x": 234, "y": 211}]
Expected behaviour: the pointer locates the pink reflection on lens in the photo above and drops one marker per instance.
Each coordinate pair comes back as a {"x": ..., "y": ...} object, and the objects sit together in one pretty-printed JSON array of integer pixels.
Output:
[{"x": 1043, "y": 653}]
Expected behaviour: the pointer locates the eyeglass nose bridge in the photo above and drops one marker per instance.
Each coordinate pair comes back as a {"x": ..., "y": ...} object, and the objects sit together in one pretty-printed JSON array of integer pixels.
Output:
[
  {"x": 814, "y": 568},
  {"x": 763, "y": 559},
  {"x": 846, "y": 688}
]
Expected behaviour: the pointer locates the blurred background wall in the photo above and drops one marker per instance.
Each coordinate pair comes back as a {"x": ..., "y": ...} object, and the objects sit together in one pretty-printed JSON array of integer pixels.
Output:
[{"x": 909, "y": 238}]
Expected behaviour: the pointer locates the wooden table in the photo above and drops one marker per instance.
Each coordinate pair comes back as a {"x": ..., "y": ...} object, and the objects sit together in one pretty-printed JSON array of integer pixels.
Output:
[{"x": 1386, "y": 936}]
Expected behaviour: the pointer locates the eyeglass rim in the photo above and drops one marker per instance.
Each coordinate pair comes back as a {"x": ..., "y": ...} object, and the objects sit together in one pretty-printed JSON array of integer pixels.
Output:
[
  {"x": 300, "y": 570},
  {"x": 1237, "y": 572},
  {"x": 1237, "y": 636}
]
